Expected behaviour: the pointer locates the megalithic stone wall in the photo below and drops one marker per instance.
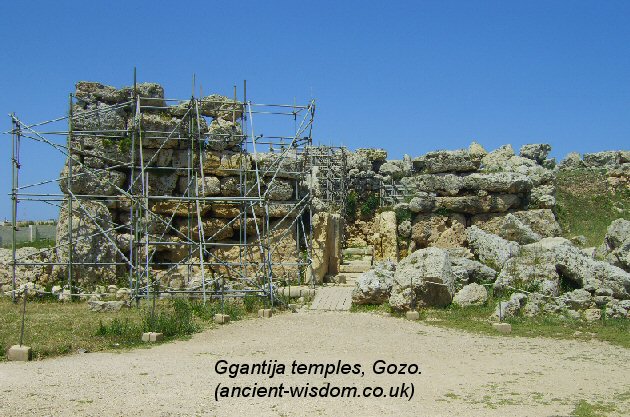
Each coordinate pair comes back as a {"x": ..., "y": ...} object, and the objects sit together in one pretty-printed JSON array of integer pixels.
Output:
[{"x": 103, "y": 117}]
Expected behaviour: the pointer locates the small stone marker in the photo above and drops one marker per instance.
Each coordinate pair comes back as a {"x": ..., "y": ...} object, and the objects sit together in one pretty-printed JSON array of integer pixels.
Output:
[
  {"x": 292, "y": 307},
  {"x": 265, "y": 313},
  {"x": 502, "y": 327},
  {"x": 152, "y": 337},
  {"x": 156, "y": 337},
  {"x": 412, "y": 315},
  {"x": 221, "y": 318},
  {"x": 20, "y": 353}
]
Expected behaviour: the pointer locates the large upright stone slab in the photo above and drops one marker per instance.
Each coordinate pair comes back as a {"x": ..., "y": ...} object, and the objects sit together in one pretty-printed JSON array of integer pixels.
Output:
[{"x": 424, "y": 278}]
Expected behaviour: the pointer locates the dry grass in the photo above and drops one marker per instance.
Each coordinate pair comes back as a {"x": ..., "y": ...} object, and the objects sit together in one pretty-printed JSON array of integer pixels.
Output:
[{"x": 53, "y": 328}]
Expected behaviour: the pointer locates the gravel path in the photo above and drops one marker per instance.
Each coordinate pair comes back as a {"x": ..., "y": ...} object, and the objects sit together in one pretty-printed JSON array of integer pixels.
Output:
[{"x": 462, "y": 374}]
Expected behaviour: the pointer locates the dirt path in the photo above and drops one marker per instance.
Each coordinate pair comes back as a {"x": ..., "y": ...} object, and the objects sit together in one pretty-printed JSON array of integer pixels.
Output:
[{"x": 462, "y": 374}]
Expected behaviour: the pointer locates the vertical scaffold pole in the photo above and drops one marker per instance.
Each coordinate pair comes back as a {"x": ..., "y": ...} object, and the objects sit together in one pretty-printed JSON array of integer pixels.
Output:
[
  {"x": 69, "y": 185},
  {"x": 14, "y": 184},
  {"x": 132, "y": 226}
]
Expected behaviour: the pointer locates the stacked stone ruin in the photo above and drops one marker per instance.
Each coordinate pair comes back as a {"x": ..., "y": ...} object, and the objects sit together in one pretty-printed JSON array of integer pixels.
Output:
[
  {"x": 448, "y": 191},
  {"x": 472, "y": 220},
  {"x": 450, "y": 224},
  {"x": 189, "y": 151}
]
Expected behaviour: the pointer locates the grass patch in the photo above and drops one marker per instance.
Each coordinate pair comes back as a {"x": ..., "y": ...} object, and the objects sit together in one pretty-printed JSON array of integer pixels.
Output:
[
  {"x": 585, "y": 204},
  {"x": 475, "y": 319},
  {"x": 586, "y": 409},
  {"x": 37, "y": 244},
  {"x": 371, "y": 308},
  {"x": 54, "y": 328}
]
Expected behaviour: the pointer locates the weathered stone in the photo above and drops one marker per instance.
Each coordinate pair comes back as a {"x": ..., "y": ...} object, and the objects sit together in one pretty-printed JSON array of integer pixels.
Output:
[
  {"x": 439, "y": 231},
  {"x": 476, "y": 150},
  {"x": 492, "y": 250},
  {"x": 283, "y": 253},
  {"x": 92, "y": 243},
  {"x": 446, "y": 161},
  {"x": 467, "y": 271},
  {"x": 537, "y": 151},
  {"x": 326, "y": 250},
  {"x": 471, "y": 295},
  {"x": 532, "y": 270},
  {"x": 579, "y": 299},
  {"x": 542, "y": 222},
  {"x": 605, "y": 159},
  {"x": 547, "y": 263},
  {"x": 220, "y": 107},
  {"x": 498, "y": 182},
  {"x": 98, "y": 117},
  {"x": 571, "y": 161},
  {"x": 231, "y": 186},
  {"x": 358, "y": 161},
  {"x": 590, "y": 274},
  {"x": 179, "y": 208},
  {"x": 280, "y": 190},
  {"x": 422, "y": 203},
  {"x": 161, "y": 131},
  {"x": 543, "y": 197},
  {"x": 592, "y": 314},
  {"x": 404, "y": 229},
  {"x": 151, "y": 94},
  {"x": 478, "y": 204},
  {"x": 387, "y": 246},
  {"x": 91, "y": 92},
  {"x": 373, "y": 154},
  {"x": 510, "y": 308},
  {"x": 225, "y": 211},
  {"x": 517, "y": 231},
  {"x": 497, "y": 159},
  {"x": 223, "y": 135},
  {"x": 225, "y": 163},
  {"x": 88, "y": 181},
  {"x": 375, "y": 285},
  {"x": 36, "y": 270},
  {"x": 213, "y": 229},
  {"x": 424, "y": 278},
  {"x": 392, "y": 169},
  {"x": 286, "y": 164},
  {"x": 453, "y": 185},
  {"x": 106, "y": 306},
  {"x": 618, "y": 309},
  {"x": 616, "y": 246},
  {"x": 160, "y": 184}
]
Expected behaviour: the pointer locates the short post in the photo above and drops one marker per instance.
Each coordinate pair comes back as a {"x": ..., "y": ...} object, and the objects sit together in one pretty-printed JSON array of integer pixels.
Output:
[{"x": 21, "y": 352}]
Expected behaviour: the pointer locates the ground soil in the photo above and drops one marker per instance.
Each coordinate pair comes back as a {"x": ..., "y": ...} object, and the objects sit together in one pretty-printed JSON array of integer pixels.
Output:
[{"x": 463, "y": 374}]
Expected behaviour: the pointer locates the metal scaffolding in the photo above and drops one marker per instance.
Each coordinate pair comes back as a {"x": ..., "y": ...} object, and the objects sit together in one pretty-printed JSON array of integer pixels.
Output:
[{"x": 154, "y": 224}]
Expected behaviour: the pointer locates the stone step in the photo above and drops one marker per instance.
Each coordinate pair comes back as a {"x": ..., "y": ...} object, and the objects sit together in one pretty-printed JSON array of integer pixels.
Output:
[
  {"x": 296, "y": 291},
  {"x": 347, "y": 279},
  {"x": 366, "y": 250},
  {"x": 333, "y": 299},
  {"x": 352, "y": 258},
  {"x": 355, "y": 267}
]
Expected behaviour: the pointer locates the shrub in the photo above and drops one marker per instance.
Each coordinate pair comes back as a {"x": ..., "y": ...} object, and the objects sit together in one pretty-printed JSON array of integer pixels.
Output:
[
  {"x": 351, "y": 205},
  {"x": 370, "y": 205},
  {"x": 174, "y": 321}
]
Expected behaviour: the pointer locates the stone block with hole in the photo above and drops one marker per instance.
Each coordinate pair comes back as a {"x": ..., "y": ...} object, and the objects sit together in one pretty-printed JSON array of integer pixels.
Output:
[
  {"x": 412, "y": 315},
  {"x": 221, "y": 318},
  {"x": 502, "y": 327},
  {"x": 20, "y": 353}
]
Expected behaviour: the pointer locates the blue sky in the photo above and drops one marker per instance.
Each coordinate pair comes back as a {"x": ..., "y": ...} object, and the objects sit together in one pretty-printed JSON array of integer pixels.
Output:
[{"x": 409, "y": 76}]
